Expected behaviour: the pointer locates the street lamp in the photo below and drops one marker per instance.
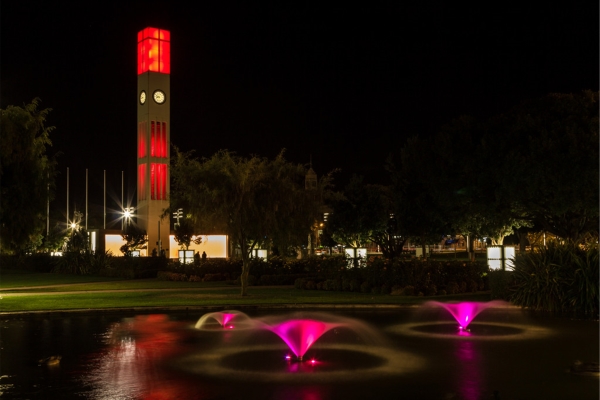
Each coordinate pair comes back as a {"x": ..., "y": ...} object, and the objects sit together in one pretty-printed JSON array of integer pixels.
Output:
[{"x": 128, "y": 214}]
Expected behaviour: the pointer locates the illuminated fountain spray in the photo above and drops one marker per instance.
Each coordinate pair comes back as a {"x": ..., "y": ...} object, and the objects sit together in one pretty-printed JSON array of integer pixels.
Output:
[
  {"x": 464, "y": 313},
  {"x": 225, "y": 319},
  {"x": 301, "y": 334}
]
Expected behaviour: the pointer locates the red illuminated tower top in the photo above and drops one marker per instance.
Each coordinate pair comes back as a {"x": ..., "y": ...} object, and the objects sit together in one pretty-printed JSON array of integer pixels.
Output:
[{"x": 154, "y": 51}]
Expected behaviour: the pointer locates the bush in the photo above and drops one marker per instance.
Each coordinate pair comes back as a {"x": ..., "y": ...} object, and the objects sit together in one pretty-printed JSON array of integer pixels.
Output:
[
  {"x": 300, "y": 283},
  {"x": 559, "y": 278},
  {"x": 452, "y": 288},
  {"x": 499, "y": 284},
  {"x": 408, "y": 291},
  {"x": 365, "y": 287}
]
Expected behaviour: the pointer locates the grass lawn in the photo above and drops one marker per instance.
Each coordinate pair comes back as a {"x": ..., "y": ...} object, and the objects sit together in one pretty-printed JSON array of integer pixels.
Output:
[
  {"x": 84, "y": 292},
  {"x": 15, "y": 278}
]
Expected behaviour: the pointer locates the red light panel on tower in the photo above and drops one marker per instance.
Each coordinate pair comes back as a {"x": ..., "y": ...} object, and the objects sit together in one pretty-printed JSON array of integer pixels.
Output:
[
  {"x": 154, "y": 51},
  {"x": 158, "y": 181}
]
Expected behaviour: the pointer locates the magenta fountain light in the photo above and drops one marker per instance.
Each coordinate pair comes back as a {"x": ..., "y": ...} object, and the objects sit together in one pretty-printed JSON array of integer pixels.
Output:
[
  {"x": 224, "y": 319},
  {"x": 464, "y": 313},
  {"x": 301, "y": 334}
]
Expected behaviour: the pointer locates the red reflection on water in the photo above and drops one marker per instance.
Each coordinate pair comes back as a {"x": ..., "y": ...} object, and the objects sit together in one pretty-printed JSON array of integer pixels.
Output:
[
  {"x": 302, "y": 367},
  {"x": 300, "y": 334},
  {"x": 130, "y": 366}
]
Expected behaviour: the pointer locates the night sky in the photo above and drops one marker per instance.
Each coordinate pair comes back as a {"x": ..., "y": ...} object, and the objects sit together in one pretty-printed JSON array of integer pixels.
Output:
[{"x": 343, "y": 86}]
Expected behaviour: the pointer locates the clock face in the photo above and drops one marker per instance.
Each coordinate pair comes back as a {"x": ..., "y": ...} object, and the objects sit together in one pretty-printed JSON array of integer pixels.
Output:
[
  {"x": 159, "y": 96},
  {"x": 143, "y": 97}
]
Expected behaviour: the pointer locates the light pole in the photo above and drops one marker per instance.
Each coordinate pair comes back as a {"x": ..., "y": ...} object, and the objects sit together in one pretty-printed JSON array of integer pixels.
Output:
[{"x": 128, "y": 214}]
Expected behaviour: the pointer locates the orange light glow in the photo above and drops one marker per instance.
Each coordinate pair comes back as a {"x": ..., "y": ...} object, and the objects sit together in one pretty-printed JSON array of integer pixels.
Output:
[{"x": 154, "y": 51}]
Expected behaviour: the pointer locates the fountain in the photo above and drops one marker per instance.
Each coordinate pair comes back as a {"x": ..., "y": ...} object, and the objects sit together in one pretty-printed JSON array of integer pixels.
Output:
[
  {"x": 300, "y": 334},
  {"x": 229, "y": 319},
  {"x": 465, "y": 312},
  {"x": 290, "y": 347},
  {"x": 384, "y": 353}
]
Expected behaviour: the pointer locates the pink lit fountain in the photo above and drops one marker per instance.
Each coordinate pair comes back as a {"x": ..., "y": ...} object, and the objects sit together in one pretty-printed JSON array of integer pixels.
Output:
[
  {"x": 230, "y": 319},
  {"x": 465, "y": 312},
  {"x": 301, "y": 334}
]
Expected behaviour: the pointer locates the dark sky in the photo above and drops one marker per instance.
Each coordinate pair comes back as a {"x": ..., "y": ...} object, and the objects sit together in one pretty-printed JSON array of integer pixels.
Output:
[{"x": 344, "y": 85}]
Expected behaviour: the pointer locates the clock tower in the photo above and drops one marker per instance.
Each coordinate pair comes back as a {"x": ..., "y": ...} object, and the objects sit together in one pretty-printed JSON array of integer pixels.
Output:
[{"x": 153, "y": 135}]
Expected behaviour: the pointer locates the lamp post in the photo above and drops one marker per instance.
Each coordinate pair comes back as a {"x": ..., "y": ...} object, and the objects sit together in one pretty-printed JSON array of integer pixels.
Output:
[{"x": 128, "y": 214}]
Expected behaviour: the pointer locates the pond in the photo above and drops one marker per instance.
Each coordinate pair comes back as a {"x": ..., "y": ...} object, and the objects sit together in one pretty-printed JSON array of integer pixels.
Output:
[{"x": 413, "y": 353}]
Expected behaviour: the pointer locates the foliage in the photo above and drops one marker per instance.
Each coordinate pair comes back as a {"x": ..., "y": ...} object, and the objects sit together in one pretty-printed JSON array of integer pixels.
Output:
[
  {"x": 534, "y": 167},
  {"x": 559, "y": 278},
  {"x": 365, "y": 214},
  {"x": 184, "y": 234},
  {"x": 36, "y": 262},
  {"x": 551, "y": 168},
  {"x": 381, "y": 275},
  {"x": 26, "y": 174},
  {"x": 417, "y": 200},
  {"x": 257, "y": 202},
  {"x": 500, "y": 283},
  {"x": 78, "y": 241},
  {"x": 73, "y": 262},
  {"x": 54, "y": 240},
  {"x": 135, "y": 238}
]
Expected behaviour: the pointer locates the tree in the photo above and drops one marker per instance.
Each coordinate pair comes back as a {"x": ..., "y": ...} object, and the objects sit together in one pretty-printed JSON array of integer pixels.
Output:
[
  {"x": 55, "y": 240},
  {"x": 419, "y": 205},
  {"x": 26, "y": 174},
  {"x": 365, "y": 214},
  {"x": 184, "y": 233},
  {"x": 552, "y": 171},
  {"x": 135, "y": 239},
  {"x": 254, "y": 200}
]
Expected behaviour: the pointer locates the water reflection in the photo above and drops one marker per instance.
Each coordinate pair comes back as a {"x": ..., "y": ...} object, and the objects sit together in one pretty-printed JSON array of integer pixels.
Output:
[
  {"x": 469, "y": 377},
  {"x": 164, "y": 357},
  {"x": 130, "y": 367}
]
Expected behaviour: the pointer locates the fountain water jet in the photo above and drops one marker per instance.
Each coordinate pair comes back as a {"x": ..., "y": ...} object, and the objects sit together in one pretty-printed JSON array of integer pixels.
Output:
[
  {"x": 300, "y": 334},
  {"x": 228, "y": 319},
  {"x": 465, "y": 312}
]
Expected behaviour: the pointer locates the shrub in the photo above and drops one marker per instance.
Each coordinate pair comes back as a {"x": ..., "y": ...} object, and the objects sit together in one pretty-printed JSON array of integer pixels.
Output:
[
  {"x": 300, "y": 283},
  {"x": 365, "y": 287},
  {"x": 408, "y": 291},
  {"x": 559, "y": 278},
  {"x": 431, "y": 290},
  {"x": 452, "y": 288},
  {"x": 499, "y": 282},
  {"x": 385, "y": 288},
  {"x": 396, "y": 290}
]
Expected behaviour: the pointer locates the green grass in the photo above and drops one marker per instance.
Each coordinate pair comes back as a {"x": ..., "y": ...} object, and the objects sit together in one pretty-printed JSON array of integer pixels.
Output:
[
  {"x": 154, "y": 293},
  {"x": 137, "y": 284},
  {"x": 14, "y": 279}
]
